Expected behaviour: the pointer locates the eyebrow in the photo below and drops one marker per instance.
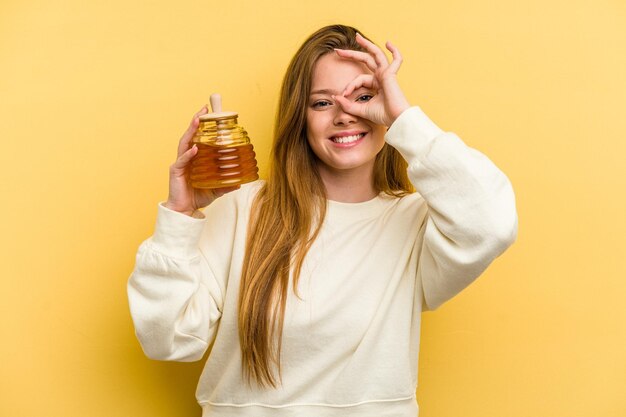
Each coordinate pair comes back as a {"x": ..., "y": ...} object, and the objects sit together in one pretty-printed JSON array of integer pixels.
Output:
[
  {"x": 333, "y": 92},
  {"x": 325, "y": 91}
]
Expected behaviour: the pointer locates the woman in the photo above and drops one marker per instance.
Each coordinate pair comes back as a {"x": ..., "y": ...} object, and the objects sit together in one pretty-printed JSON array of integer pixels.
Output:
[{"x": 310, "y": 286}]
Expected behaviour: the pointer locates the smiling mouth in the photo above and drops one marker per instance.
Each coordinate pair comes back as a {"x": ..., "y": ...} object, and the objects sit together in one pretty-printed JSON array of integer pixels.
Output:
[{"x": 347, "y": 139}]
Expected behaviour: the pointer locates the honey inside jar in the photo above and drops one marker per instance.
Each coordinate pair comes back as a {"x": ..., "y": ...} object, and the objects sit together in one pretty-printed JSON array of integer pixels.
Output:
[
  {"x": 216, "y": 166},
  {"x": 225, "y": 155}
]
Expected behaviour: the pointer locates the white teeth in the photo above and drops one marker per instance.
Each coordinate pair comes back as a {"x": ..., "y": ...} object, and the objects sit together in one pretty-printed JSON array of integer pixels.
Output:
[{"x": 348, "y": 139}]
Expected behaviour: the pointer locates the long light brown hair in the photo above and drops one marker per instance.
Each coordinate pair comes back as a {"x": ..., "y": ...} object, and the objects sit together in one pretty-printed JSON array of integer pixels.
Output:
[{"x": 289, "y": 209}]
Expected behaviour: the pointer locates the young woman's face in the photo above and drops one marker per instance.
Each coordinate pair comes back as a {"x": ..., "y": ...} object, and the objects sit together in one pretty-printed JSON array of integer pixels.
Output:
[{"x": 341, "y": 141}]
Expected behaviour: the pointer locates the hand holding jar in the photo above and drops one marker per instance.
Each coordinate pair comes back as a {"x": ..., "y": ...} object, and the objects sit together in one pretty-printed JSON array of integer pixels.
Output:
[{"x": 215, "y": 156}]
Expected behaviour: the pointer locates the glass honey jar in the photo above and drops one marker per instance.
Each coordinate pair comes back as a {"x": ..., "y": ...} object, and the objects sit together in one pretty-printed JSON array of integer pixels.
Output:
[{"x": 225, "y": 155}]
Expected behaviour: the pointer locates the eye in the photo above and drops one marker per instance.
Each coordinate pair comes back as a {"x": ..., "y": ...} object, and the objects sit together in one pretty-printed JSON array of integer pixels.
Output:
[
  {"x": 320, "y": 104},
  {"x": 365, "y": 97}
]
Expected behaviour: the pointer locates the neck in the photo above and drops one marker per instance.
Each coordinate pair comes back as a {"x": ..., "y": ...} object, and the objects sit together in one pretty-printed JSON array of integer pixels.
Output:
[{"x": 349, "y": 186}]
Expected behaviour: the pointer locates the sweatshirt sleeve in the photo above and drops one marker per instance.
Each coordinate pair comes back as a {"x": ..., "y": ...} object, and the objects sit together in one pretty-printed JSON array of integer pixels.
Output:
[
  {"x": 174, "y": 296},
  {"x": 471, "y": 205}
]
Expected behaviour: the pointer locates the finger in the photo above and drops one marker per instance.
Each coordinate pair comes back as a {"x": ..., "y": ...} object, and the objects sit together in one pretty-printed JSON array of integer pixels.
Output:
[
  {"x": 349, "y": 106},
  {"x": 397, "y": 58},
  {"x": 363, "y": 80},
  {"x": 377, "y": 53},
  {"x": 363, "y": 57},
  {"x": 193, "y": 125},
  {"x": 183, "y": 160},
  {"x": 183, "y": 144}
]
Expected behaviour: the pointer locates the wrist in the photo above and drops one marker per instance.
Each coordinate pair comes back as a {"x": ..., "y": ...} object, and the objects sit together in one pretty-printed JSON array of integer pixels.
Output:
[
  {"x": 395, "y": 113},
  {"x": 186, "y": 211}
]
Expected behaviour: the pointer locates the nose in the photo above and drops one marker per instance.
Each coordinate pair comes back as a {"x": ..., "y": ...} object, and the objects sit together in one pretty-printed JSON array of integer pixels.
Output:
[{"x": 342, "y": 118}]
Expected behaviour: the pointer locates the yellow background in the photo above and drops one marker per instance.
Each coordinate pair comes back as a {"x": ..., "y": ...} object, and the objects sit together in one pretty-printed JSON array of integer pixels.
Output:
[{"x": 93, "y": 98}]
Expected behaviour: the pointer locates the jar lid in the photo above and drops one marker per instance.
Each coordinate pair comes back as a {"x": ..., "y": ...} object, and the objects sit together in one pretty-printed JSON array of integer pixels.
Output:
[{"x": 216, "y": 106}]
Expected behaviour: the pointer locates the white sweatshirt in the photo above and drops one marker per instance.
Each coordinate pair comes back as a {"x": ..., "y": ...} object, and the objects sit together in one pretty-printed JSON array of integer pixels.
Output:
[{"x": 351, "y": 342}]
